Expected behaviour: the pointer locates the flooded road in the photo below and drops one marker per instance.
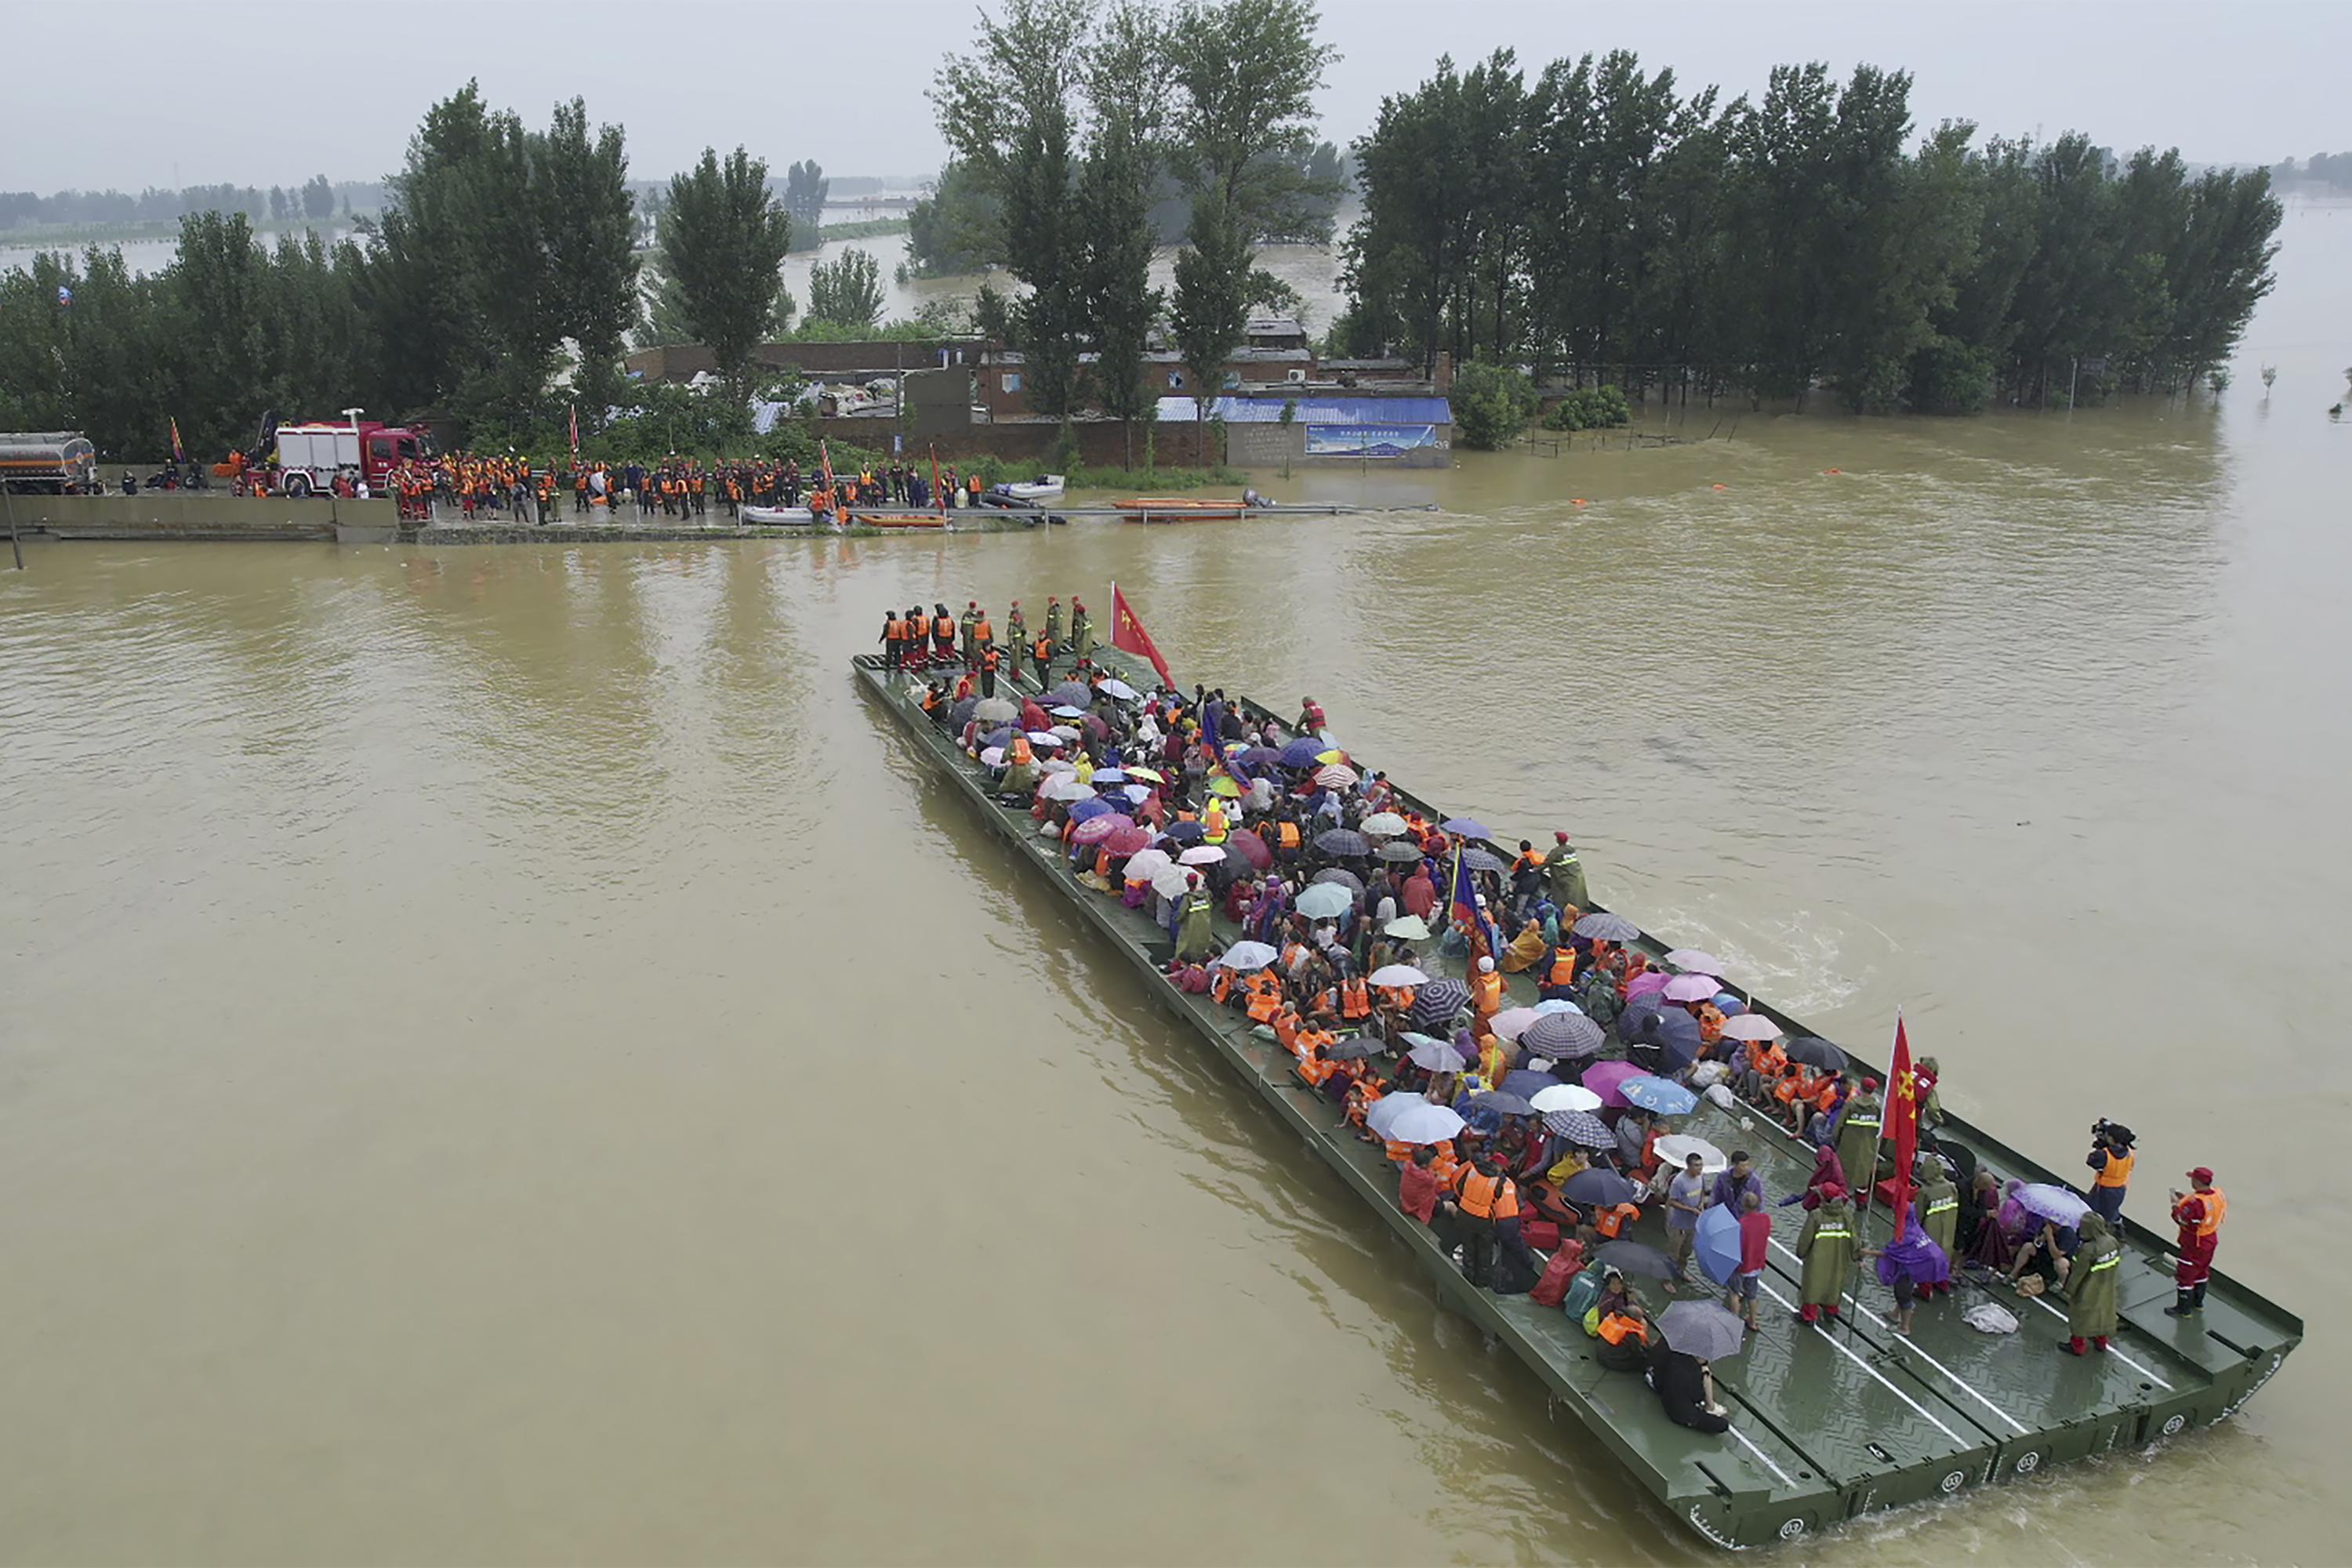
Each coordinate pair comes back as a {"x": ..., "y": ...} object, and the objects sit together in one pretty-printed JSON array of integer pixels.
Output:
[{"x": 508, "y": 1057}]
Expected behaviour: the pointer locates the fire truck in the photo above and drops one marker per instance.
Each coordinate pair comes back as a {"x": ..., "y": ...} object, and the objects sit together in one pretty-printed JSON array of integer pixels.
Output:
[{"x": 311, "y": 454}]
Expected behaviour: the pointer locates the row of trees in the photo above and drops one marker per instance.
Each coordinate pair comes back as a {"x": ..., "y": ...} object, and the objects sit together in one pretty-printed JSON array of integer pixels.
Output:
[
  {"x": 1599, "y": 223},
  {"x": 1063, "y": 116},
  {"x": 315, "y": 199}
]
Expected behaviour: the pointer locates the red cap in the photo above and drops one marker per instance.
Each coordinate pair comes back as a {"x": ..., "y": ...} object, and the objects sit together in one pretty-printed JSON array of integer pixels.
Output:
[
  {"x": 1871, "y": 1084},
  {"x": 1557, "y": 834},
  {"x": 2202, "y": 1173}
]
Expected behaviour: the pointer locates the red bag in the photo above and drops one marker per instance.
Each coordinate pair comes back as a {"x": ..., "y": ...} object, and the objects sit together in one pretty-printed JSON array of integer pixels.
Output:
[
  {"x": 1557, "y": 1275},
  {"x": 1540, "y": 1233}
]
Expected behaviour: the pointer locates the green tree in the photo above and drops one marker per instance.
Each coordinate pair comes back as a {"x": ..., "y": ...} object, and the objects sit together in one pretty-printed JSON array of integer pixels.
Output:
[
  {"x": 846, "y": 290},
  {"x": 722, "y": 245},
  {"x": 1116, "y": 296},
  {"x": 1491, "y": 403},
  {"x": 956, "y": 227},
  {"x": 589, "y": 221},
  {"x": 1210, "y": 307},
  {"x": 805, "y": 189},
  {"x": 318, "y": 198}
]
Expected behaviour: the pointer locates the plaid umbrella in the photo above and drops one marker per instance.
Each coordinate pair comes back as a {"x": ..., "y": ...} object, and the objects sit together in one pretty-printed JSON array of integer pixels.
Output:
[
  {"x": 1439, "y": 1000},
  {"x": 1602, "y": 926},
  {"x": 1580, "y": 1127},
  {"x": 1339, "y": 841},
  {"x": 1344, "y": 878},
  {"x": 1563, "y": 1037}
]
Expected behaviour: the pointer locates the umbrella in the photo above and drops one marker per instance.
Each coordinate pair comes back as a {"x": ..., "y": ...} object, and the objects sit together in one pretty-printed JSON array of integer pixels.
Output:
[
  {"x": 1331, "y": 754},
  {"x": 1605, "y": 1078},
  {"x": 1186, "y": 832},
  {"x": 1691, "y": 960},
  {"x": 994, "y": 710},
  {"x": 993, "y": 758},
  {"x": 1600, "y": 1189},
  {"x": 1354, "y": 1048},
  {"x": 1479, "y": 860},
  {"x": 1728, "y": 1005},
  {"x": 1247, "y": 957},
  {"x": 1691, "y": 988},
  {"x": 1672, "y": 1030},
  {"x": 1128, "y": 840},
  {"x": 1107, "y": 777},
  {"x": 1501, "y": 1103},
  {"x": 1750, "y": 1026},
  {"x": 1087, "y": 810},
  {"x": 1605, "y": 927},
  {"x": 1680, "y": 1146},
  {"x": 1069, "y": 694},
  {"x": 1002, "y": 736},
  {"x": 1382, "y": 824},
  {"x": 1334, "y": 876},
  {"x": 1250, "y": 849},
  {"x": 1411, "y": 928},
  {"x": 1095, "y": 829},
  {"x": 2052, "y": 1203},
  {"x": 1565, "y": 1097},
  {"x": 1392, "y": 975},
  {"x": 1703, "y": 1328},
  {"x": 1300, "y": 754},
  {"x": 1399, "y": 852},
  {"x": 1045, "y": 738},
  {"x": 960, "y": 714},
  {"x": 1173, "y": 881},
  {"x": 1717, "y": 1246},
  {"x": 1635, "y": 1257},
  {"x": 1422, "y": 1122},
  {"x": 1660, "y": 1096},
  {"x": 1064, "y": 733},
  {"x": 1067, "y": 712},
  {"x": 1816, "y": 1052},
  {"x": 1563, "y": 1036},
  {"x": 1467, "y": 826},
  {"x": 1225, "y": 788},
  {"x": 1152, "y": 775},
  {"x": 1578, "y": 1127},
  {"x": 1202, "y": 854},
  {"x": 1324, "y": 903},
  {"x": 1337, "y": 775},
  {"x": 1649, "y": 983},
  {"x": 1136, "y": 793},
  {"x": 1095, "y": 726},
  {"x": 1121, "y": 689},
  {"x": 1339, "y": 841},
  {"x": 1440, "y": 1000},
  {"x": 1512, "y": 1022},
  {"x": 1527, "y": 1085},
  {"x": 1551, "y": 1004},
  {"x": 1146, "y": 864},
  {"x": 1256, "y": 757},
  {"x": 1435, "y": 1055}
]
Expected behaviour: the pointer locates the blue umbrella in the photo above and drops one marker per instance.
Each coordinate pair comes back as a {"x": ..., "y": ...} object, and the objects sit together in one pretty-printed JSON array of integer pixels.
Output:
[
  {"x": 1186, "y": 832},
  {"x": 997, "y": 737},
  {"x": 1302, "y": 753},
  {"x": 1107, "y": 777},
  {"x": 1082, "y": 810},
  {"x": 1433, "y": 1054},
  {"x": 1260, "y": 757},
  {"x": 1675, "y": 1032},
  {"x": 1526, "y": 1084},
  {"x": 1467, "y": 826},
  {"x": 1658, "y": 1095},
  {"x": 1728, "y": 1005},
  {"x": 1717, "y": 1246},
  {"x": 1598, "y": 1188},
  {"x": 1501, "y": 1103},
  {"x": 1070, "y": 694}
]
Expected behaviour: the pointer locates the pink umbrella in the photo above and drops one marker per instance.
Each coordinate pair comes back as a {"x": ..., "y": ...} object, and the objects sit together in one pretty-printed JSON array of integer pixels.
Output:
[
  {"x": 1751, "y": 1027},
  {"x": 1128, "y": 841},
  {"x": 1095, "y": 829},
  {"x": 1607, "y": 1079},
  {"x": 1512, "y": 1022},
  {"x": 1646, "y": 983},
  {"x": 1691, "y": 987}
]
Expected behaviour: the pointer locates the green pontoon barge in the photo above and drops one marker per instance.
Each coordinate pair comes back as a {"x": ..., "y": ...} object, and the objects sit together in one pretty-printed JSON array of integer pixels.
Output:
[{"x": 1828, "y": 1423}]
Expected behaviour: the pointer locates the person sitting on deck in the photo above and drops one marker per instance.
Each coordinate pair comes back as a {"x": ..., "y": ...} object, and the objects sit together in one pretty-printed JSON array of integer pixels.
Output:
[
  {"x": 1625, "y": 1337},
  {"x": 1686, "y": 1386}
]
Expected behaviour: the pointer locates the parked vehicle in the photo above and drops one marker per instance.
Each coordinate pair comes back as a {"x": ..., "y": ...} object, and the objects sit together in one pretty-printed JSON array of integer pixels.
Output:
[{"x": 48, "y": 462}]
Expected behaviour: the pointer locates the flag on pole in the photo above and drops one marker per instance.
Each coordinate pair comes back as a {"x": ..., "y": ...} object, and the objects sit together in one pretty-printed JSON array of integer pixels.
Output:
[
  {"x": 575, "y": 432},
  {"x": 1903, "y": 1121},
  {"x": 1128, "y": 635},
  {"x": 178, "y": 454}
]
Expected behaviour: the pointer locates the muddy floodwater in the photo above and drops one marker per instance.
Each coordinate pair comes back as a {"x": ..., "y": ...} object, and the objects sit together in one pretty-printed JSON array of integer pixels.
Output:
[{"x": 505, "y": 1057}]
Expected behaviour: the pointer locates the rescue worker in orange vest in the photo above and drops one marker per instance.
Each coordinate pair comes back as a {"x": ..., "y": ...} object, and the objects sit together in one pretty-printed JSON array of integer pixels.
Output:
[
  {"x": 893, "y": 638},
  {"x": 943, "y": 634},
  {"x": 1286, "y": 839},
  {"x": 989, "y": 660},
  {"x": 2111, "y": 1158},
  {"x": 1355, "y": 999},
  {"x": 1555, "y": 976},
  {"x": 1487, "y": 1212},
  {"x": 984, "y": 634},
  {"x": 1043, "y": 652},
  {"x": 1485, "y": 990},
  {"x": 2198, "y": 1213},
  {"x": 1264, "y": 996}
]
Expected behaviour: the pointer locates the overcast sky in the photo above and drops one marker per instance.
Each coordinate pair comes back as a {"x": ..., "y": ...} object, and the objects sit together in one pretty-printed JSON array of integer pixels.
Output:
[{"x": 2239, "y": 81}]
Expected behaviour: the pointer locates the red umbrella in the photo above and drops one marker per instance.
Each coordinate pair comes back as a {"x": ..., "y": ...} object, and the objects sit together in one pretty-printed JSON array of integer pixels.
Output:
[
  {"x": 1607, "y": 1080},
  {"x": 1250, "y": 848},
  {"x": 1095, "y": 829},
  {"x": 1128, "y": 840}
]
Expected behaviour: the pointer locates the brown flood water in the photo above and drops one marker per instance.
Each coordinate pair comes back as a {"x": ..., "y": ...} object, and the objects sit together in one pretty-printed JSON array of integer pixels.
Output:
[{"x": 508, "y": 1057}]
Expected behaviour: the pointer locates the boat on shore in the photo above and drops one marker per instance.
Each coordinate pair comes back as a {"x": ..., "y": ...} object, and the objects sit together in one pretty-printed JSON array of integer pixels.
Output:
[
  {"x": 1180, "y": 508},
  {"x": 898, "y": 520},
  {"x": 1829, "y": 1423},
  {"x": 779, "y": 516},
  {"x": 1043, "y": 489}
]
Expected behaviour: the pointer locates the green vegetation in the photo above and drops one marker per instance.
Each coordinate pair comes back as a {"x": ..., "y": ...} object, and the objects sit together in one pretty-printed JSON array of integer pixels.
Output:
[
  {"x": 723, "y": 238},
  {"x": 1599, "y": 224},
  {"x": 846, "y": 292},
  {"x": 865, "y": 228},
  {"x": 1590, "y": 408},
  {"x": 1491, "y": 403}
]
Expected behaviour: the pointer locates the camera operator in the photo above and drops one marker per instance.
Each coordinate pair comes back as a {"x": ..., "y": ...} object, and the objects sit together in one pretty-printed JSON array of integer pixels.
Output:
[{"x": 2111, "y": 1159}]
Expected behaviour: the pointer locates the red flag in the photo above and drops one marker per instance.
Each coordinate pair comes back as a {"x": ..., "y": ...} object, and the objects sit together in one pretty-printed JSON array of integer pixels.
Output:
[
  {"x": 1903, "y": 1121},
  {"x": 1127, "y": 633},
  {"x": 178, "y": 456}
]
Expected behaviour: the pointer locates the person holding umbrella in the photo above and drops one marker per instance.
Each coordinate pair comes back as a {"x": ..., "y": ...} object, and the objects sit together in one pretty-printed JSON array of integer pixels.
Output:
[
  {"x": 1686, "y": 1197},
  {"x": 1827, "y": 1246}
]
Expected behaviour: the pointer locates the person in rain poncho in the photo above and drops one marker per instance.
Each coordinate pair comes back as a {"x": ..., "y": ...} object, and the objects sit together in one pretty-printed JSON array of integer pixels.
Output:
[
  {"x": 1938, "y": 1207},
  {"x": 1566, "y": 874},
  {"x": 2091, "y": 1286},
  {"x": 1194, "y": 938},
  {"x": 1827, "y": 1246},
  {"x": 1912, "y": 1266},
  {"x": 1857, "y": 1136},
  {"x": 1082, "y": 636}
]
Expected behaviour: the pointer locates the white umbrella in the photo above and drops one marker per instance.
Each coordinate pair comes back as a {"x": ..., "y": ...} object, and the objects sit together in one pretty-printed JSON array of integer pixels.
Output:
[
  {"x": 1044, "y": 738},
  {"x": 1411, "y": 928},
  {"x": 1067, "y": 712},
  {"x": 1200, "y": 855},
  {"x": 1557, "y": 1005},
  {"x": 1338, "y": 776},
  {"x": 1512, "y": 1022},
  {"x": 1065, "y": 786},
  {"x": 1136, "y": 793},
  {"x": 1394, "y": 974},
  {"x": 1244, "y": 957},
  {"x": 1146, "y": 864},
  {"x": 1325, "y": 901},
  {"x": 1425, "y": 1124},
  {"x": 1675, "y": 1148},
  {"x": 1066, "y": 732},
  {"x": 1173, "y": 881},
  {"x": 1691, "y": 987},
  {"x": 1750, "y": 1026},
  {"x": 1382, "y": 824},
  {"x": 1120, "y": 690},
  {"x": 1566, "y": 1097},
  {"x": 993, "y": 758},
  {"x": 1691, "y": 960},
  {"x": 1057, "y": 765}
]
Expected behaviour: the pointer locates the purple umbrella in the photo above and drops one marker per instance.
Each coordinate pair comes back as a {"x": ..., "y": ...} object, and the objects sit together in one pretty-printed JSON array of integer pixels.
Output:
[
  {"x": 1607, "y": 1079},
  {"x": 1649, "y": 983},
  {"x": 1086, "y": 810},
  {"x": 1301, "y": 752},
  {"x": 2054, "y": 1203},
  {"x": 1101, "y": 826},
  {"x": 1691, "y": 988},
  {"x": 1467, "y": 826}
]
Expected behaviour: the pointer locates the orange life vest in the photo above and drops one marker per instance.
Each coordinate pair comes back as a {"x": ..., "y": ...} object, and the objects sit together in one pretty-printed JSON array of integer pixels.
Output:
[
  {"x": 943, "y": 629},
  {"x": 1355, "y": 1000},
  {"x": 2216, "y": 1207},
  {"x": 1617, "y": 1325},
  {"x": 1611, "y": 1222},
  {"x": 2115, "y": 1171},
  {"x": 1288, "y": 835},
  {"x": 1563, "y": 967},
  {"x": 1221, "y": 989},
  {"x": 1489, "y": 1197}
]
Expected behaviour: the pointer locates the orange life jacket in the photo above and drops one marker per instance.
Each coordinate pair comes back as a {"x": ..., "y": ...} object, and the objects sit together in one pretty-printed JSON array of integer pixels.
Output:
[
  {"x": 1222, "y": 988},
  {"x": 2115, "y": 1171},
  {"x": 943, "y": 629},
  {"x": 1563, "y": 967},
  {"x": 1486, "y": 992},
  {"x": 2216, "y": 1207},
  {"x": 1489, "y": 1197},
  {"x": 1617, "y": 1325},
  {"x": 1355, "y": 1000},
  {"x": 1611, "y": 1222},
  {"x": 1288, "y": 835},
  {"x": 1265, "y": 998}
]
